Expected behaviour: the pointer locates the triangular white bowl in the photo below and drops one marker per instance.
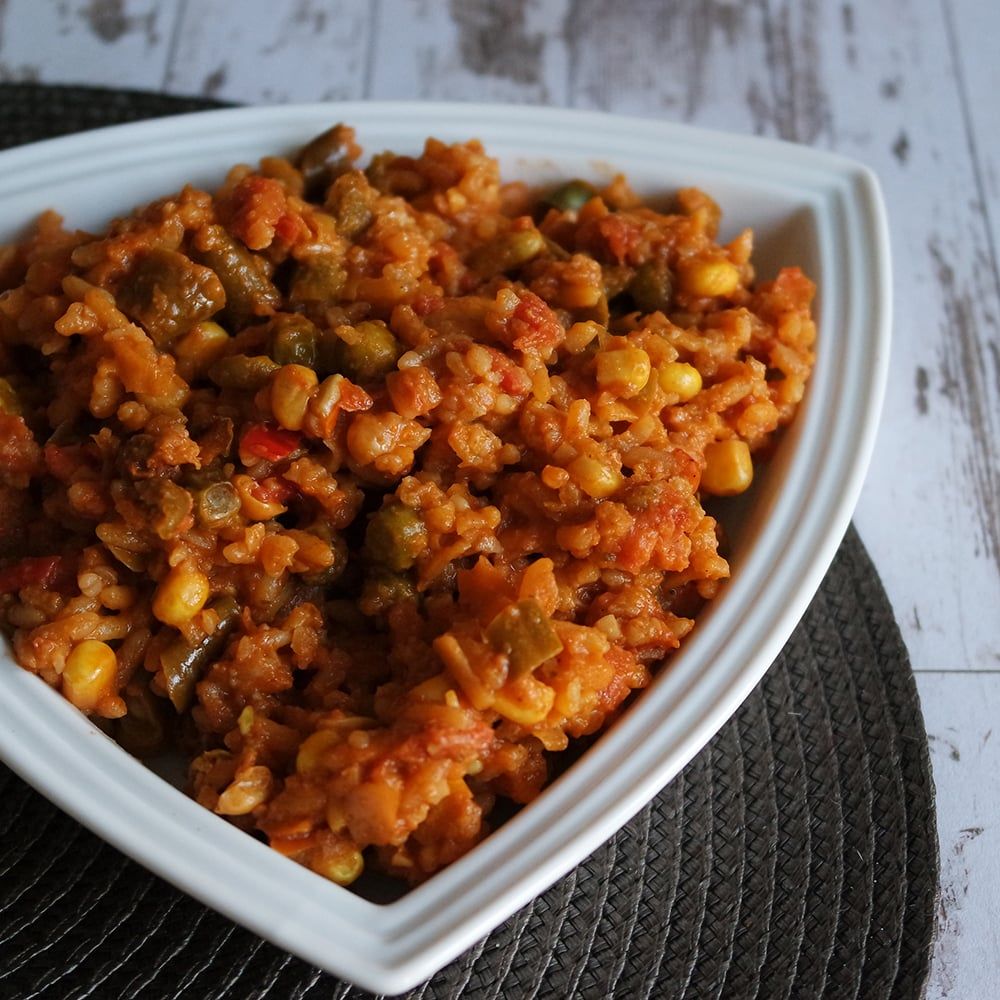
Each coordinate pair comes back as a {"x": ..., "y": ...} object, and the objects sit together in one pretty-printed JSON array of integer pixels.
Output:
[{"x": 806, "y": 207}]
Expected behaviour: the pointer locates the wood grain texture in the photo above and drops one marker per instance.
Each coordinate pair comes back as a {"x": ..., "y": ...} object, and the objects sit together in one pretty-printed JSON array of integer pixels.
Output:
[
  {"x": 960, "y": 712},
  {"x": 471, "y": 50},
  {"x": 87, "y": 41},
  {"x": 264, "y": 52}
]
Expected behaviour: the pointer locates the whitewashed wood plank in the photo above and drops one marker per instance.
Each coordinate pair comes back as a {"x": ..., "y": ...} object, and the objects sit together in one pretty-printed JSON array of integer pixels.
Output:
[
  {"x": 262, "y": 52},
  {"x": 960, "y": 712},
  {"x": 100, "y": 42},
  {"x": 974, "y": 34},
  {"x": 875, "y": 81},
  {"x": 930, "y": 511},
  {"x": 473, "y": 50}
]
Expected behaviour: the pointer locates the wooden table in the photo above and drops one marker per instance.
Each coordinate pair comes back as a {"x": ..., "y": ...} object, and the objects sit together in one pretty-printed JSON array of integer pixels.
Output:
[{"x": 909, "y": 87}]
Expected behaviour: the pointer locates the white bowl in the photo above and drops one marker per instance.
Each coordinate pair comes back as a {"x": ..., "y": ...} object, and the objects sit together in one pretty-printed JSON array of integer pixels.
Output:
[{"x": 806, "y": 207}]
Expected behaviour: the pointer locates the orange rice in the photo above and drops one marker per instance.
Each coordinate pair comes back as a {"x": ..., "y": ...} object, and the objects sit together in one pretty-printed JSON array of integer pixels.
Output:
[{"x": 371, "y": 490}]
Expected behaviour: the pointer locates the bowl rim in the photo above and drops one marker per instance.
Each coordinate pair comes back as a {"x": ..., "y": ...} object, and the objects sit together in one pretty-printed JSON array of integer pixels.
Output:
[{"x": 391, "y": 947}]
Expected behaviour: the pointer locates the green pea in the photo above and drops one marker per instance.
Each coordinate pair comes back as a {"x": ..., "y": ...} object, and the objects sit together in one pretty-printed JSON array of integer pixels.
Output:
[
  {"x": 293, "y": 341},
  {"x": 571, "y": 196},
  {"x": 372, "y": 357},
  {"x": 396, "y": 536}
]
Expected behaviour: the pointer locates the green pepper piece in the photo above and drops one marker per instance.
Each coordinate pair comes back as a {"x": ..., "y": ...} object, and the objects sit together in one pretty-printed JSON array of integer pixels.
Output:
[
  {"x": 523, "y": 633},
  {"x": 652, "y": 287}
]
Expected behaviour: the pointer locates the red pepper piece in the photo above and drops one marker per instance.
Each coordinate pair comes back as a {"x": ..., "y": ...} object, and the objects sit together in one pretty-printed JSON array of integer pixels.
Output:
[{"x": 271, "y": 443}]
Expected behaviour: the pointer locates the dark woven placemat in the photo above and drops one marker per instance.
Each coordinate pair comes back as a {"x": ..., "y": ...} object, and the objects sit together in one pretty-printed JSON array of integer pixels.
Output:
[{"x": 795, "y": 857}]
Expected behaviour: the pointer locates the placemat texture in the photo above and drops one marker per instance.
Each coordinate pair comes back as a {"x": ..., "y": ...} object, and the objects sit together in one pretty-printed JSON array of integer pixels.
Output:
[{"x": 795, "y": 857}]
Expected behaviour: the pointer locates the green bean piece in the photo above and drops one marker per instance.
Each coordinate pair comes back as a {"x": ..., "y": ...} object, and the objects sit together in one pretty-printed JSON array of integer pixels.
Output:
[
  {"x": 523, "y": 633},
  {"x": 322, "y": 159},
  {"x": 216, "y": 503},
  {"x": 167, "y": 293},
  {"x": 293, "y": 340},
  {"x": 571, "y": 196},
  {"x": 350, "y": 201},
  {"x": 372, "y": 357},
  {"x": 396, "y": 536},
  {"x": 142, "y": 731},
  {"x": 507, "y": 252},
  {"x": 652, "y": 287},
  {"x": 241, "y": 371},
  {"x": 171, "y": 505},
  {"x": 249, "y": 290},
  {"x": 183, "y": 665}
]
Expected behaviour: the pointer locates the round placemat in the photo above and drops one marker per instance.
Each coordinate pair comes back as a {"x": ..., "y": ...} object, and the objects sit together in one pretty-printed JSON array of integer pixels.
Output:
[{"x": 795, "y": 856}]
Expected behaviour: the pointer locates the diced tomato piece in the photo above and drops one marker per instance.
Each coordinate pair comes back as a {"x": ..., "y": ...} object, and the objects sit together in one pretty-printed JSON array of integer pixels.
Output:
[
  {"x": 534, "y": 326},
  {"x": 261, "y": 213},
  {"x": 271, "y": 443},
  {"x": 621, "y": 236},
  {"x": 33, "y": 571}
]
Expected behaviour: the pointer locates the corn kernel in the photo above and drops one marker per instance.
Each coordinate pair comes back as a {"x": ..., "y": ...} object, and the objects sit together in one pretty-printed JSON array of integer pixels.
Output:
[
  {"x": 624, "y": 371},
  {"x": 709, "y": 278},
  {"x": 728, "y": 468},
  {"x": 313, "y": 749},
  {"x": 344, "y": 867},
  {"x": 580, "y": 335},
  {"x": 291, "y": 389},
  {"x": 182, "y": 593},
  {"x": 249, "y": 789},
  {"x": 245, "y": 721},
  {"x": 680, "y": 380},
  {"x": 554, "y": 477},
  {"x": 525, "y": 700},
  {"x": 201, "y": 346},
  {"x": 89, "y": 673},
  {"x": 596, "y": 478}
]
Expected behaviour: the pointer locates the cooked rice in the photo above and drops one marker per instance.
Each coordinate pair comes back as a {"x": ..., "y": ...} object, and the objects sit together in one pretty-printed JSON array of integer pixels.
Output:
[{"x": 370, "y": 490}]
